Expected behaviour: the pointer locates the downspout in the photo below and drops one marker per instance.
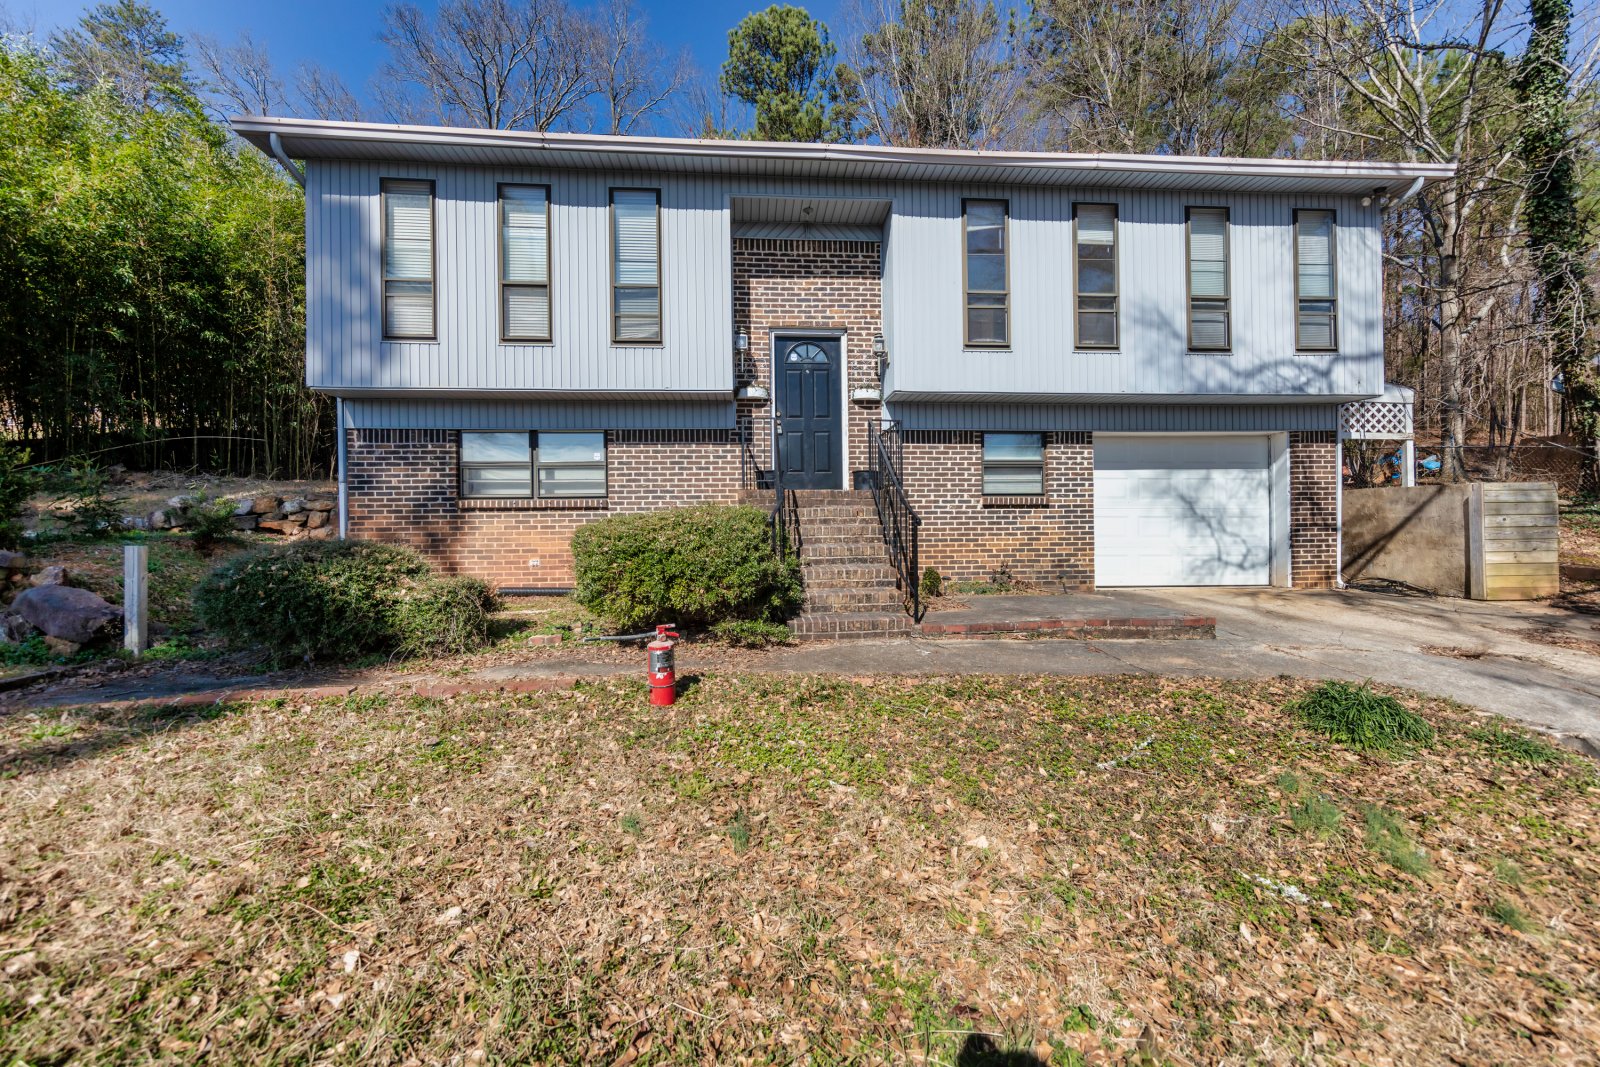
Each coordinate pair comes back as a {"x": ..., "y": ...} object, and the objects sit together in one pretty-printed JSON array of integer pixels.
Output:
[
  {"x": 342, "y": 452},
  {"x": 284, "y": 161},
  {"x": 1338, "y": 501}
]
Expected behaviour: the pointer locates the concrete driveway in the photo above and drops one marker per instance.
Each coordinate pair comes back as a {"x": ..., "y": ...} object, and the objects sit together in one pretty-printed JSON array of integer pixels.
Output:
[{"x": 1524, "y": 661}]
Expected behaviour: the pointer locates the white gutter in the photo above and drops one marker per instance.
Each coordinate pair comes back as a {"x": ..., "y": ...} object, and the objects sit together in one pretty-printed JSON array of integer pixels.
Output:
[
  {"x": 342, "y": 453},
  {"x": 284, "y": 161}
]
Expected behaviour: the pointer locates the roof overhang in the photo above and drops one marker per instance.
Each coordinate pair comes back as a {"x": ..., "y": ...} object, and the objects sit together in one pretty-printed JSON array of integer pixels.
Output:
[{"x": 438, "y": 145}]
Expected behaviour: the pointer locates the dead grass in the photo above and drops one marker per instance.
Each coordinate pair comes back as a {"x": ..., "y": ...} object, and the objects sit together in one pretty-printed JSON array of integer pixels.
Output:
[{"x": 788, "y": 869}]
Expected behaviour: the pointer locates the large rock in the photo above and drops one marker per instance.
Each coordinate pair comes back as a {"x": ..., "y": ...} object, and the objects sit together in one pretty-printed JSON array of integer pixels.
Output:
[
  {"x": 12, "y": 561},
  {"x": 316, "y": 519},
  {"x": 295, "y": 506},
  {"x": 55, "y": 574},
  {"x": 264, "y": 505},
  {"x": 14, "y": 628},
  {"x": 62, "y": 611},
  {"x": 320, "y": 504}
]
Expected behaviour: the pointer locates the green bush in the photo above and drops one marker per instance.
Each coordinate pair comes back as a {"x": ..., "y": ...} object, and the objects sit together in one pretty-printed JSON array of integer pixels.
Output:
[
  {"x": 18, "y": 482},
  {"x": 335, "y": 600},
  {"x": 1356, "y": 716},
  {"x": 209, "y": 519},
  {"x": 691, "y": 566},
  {"x": 751, "y": 633},
  {"x": 93, "y": 509},
  {"x": 932, "y": 584}
]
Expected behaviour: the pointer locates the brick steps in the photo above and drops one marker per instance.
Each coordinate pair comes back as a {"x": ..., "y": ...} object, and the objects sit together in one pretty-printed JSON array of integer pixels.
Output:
[{"x": 851, "y": 591}]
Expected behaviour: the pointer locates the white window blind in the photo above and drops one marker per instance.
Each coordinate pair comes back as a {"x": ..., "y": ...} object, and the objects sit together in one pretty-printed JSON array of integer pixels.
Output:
[
  {"x": 1096, "y": 275},
  {"x": 636, "y": 265},
  {"x": 525, "y": 262},
  {"x": 1209, "y": 310},
  {"x": 407, "y": 258},
  {"x": 1316, "y": 318}
]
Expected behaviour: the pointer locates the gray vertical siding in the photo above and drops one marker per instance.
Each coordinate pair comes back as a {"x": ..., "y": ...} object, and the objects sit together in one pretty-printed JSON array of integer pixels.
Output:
[
  {"x": 1119, "y": 418},
  {"x": 921, "y": 293},
  {"x": 551, "y": 414},
  {"x": 345, "y": 349}
]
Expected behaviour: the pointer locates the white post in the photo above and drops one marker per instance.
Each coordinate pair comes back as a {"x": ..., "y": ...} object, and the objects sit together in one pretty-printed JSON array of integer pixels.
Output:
[
  {"x": 135, "y": 598},
  {"x": 1408, "y": 463}
]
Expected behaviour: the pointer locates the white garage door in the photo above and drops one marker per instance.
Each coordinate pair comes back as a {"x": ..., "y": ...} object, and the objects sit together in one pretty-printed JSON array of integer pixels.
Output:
[{"x": 1175, "y": 510}]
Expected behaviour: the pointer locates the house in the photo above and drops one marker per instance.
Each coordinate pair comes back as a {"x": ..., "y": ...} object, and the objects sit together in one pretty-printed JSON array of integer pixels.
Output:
[{"x": 1083, "y": 370}]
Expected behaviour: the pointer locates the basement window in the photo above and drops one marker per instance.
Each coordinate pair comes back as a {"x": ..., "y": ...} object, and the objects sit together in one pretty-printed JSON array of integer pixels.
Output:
[
  {"x": 1013, "y": 464},
  {"x": 550, "y": 465}
]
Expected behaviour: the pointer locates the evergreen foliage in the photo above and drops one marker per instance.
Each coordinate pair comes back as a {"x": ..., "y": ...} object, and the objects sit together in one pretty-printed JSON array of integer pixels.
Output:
[{"x": 781, "y": 63}]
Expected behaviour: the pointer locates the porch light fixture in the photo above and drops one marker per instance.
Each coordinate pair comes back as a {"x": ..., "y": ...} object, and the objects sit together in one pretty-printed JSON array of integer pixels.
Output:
[
  {"x": 879, "y": 349},
  {"x": 741, "y": 341}
]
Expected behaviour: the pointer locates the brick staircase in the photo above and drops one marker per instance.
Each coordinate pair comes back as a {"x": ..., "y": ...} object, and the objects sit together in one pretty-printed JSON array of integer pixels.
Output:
[{"x": 851, "y": 589}]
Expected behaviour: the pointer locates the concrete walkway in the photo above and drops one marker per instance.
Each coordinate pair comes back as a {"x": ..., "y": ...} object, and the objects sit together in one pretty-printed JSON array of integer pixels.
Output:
[{"x": 1530, "y": 662}]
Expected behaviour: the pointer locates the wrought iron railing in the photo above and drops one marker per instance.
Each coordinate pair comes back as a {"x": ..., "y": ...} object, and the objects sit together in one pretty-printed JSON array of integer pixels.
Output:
[
  {"x": 758, "y": 433},
  {"x": 898, "y": 518}
]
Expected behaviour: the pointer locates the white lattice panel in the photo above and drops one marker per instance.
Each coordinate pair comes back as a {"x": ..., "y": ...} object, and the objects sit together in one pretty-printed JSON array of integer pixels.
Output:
[{"x": 1385, "y": 419}]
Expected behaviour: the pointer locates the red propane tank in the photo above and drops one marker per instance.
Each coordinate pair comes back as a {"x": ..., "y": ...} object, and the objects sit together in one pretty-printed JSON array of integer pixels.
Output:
[{"x": 661, "y": 676}]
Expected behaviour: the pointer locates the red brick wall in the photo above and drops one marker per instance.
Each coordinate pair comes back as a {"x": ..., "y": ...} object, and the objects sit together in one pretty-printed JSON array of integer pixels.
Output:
[
  {"x": 966, "y": 538},
  {"x": 402, "y": 489},
  {"x": 1313, "y": 509},
  {"x": 795, "y": 285}
]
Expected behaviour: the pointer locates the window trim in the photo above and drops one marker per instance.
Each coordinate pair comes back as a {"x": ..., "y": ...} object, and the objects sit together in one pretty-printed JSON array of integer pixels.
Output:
[
  {"x": 1116, "y": 278},
  {"x": 433, "y": 259},
  {"x": 1005, "y": 255},
  {"x": 984, "y": 464},
  {"x": 660, "y": 286},
  {"x": 549, "y": 264},
  {"x": 1333, "y": 277},
  {"x": 533, "y": 466},
  {"x": 1227, "y": 276}
]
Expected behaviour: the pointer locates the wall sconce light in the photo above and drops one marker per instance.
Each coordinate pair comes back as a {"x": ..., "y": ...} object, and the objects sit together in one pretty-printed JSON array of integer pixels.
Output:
[
  {"x": 741, "y": 341},
  {"x": 879, "y": 349}
]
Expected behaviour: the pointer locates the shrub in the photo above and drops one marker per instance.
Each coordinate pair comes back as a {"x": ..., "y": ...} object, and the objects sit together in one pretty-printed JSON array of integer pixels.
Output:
[
  {"x": 1356, "y": 716},
  {"x": 932, "y": 584},
  {"x": 751, "y": 633},
  {"x": 209, "y": 519},
  {"x": 1512, "y": 746},
  {"x": 17, "y": 483},
  {"x": 691, "y": 566},
  {"x": 340, "y": 599},
  {"x": 446, "y": 617},
  {"x": 93, "y": 510}
]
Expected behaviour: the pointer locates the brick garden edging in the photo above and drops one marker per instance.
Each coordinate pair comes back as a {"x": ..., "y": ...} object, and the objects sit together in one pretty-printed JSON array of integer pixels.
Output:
[{"x": 1168, "y": 628}]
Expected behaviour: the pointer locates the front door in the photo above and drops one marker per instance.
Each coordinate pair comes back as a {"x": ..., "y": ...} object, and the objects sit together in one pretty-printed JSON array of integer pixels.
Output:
[{"x": 810, "y": 436}]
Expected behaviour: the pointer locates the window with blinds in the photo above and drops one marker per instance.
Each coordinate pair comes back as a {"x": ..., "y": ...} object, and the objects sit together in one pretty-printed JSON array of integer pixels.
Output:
[
  {"x": 1316, "y": 321},
  {"x": 1095, "y": 289},
  {"x": 1013, "y": 464},
  {"x": 407, "y": 258},
  {"x": 636, "y": 266},
  {"x": 1210, "y": 313},
  {"x": 547, "y": 465},
  {"x": 987, "y": 274},
  {"x": 525, "y": 262}
]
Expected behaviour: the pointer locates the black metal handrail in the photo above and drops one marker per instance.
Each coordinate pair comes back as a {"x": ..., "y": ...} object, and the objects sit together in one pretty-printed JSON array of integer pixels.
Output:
[
  {"x": 784, "y": 516},
  {"x": 898, "y": 518}
]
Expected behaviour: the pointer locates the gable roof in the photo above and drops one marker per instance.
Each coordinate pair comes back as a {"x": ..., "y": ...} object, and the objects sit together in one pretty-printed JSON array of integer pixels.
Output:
[{"x": 441, "y": 145}]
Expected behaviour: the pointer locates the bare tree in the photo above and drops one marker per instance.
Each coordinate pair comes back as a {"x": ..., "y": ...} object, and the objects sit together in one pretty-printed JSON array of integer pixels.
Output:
[
  {"x": 634, "y": 77},
  {"x": 1427, "y": 78},
  {"x": 500, "y": 64},
  {"x": 941, "y": 73},
  {"x": 324, "y": 95},
  {"x": 240, "y": 75}
]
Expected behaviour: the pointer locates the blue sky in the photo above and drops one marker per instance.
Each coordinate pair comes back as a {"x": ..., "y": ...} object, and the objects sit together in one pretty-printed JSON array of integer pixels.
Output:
[{"x": 342, "y": 34}]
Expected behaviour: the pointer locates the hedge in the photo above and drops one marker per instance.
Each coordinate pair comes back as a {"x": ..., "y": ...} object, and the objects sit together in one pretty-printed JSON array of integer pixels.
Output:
[
  {"x": 692, "y": 566},
  {"x": 335, "y": 600}
]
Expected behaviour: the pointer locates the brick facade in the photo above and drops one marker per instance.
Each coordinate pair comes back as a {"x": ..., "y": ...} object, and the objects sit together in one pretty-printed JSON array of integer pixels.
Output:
[
  {"x": 781, "y": 285},
  {"x": 1313, "y": 509},
  {"x": 1046, "y": 542},
  {"x": 402, "y": 488}
]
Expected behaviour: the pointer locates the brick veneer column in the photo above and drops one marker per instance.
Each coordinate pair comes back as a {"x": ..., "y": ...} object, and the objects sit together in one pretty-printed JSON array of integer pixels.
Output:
[
  {"x": 783, "y": 285},
  {"x": 1313, "y": 509},
  {"x": 401, "y": 486},
  {"x": 1049, "y": 542}
]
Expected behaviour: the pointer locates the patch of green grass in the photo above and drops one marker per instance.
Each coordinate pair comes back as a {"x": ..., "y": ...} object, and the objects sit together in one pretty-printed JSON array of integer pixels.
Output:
[
  {"x": 1508, "y": 872},
  {"x": 739, "y": 830},
  {"x": 177, "y": 648},
  {"x": 1289, "y": 782},
  {"x": 1388, "y": 837},
  {"x": 1508, "y": 914},
  {"x": 47, "y": 730},
  {"x": 1356, "y": 716},
  {"x": 631, "y": 824},
  {"x": 1515, "y": 746},
  {"x": 1315, "y": 814}
]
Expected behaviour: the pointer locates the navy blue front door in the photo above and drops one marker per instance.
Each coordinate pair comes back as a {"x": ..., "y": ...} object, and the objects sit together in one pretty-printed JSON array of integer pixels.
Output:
[{"x": 811, "y": 441}]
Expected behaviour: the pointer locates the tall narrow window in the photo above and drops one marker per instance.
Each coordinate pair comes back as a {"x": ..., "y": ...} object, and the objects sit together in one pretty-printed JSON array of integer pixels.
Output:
[
  {"x": 1209, "y": 311},
  {"x": 1097, "y": 274},
  {"x": 1013, "y": 464},
  {"x": 407, "y": 258},
  {"x": 1316, "y": 322},
  {"x": 525, "y": 262},
  {"x": 987, "y": 277},
  {"x": 636, "y": 266}
]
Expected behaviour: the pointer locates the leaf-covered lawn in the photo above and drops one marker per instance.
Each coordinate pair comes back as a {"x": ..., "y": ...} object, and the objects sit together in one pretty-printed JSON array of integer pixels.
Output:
[{"x": 788, "y": 869}]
